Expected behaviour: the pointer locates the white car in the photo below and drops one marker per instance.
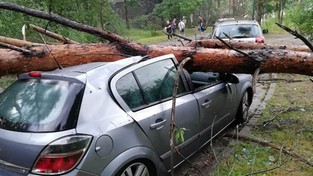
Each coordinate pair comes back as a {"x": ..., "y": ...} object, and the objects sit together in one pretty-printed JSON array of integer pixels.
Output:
[{"x": 239, "y": 30}]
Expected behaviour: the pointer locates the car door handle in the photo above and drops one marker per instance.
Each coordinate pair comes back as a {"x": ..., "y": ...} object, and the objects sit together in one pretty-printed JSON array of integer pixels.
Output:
[
  {"x": 206, "y": 104},
  {"x": 158, "y": 125}
]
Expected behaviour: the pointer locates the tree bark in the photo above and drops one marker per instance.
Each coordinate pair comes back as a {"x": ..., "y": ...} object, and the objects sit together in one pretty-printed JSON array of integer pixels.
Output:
[
  {"x": 204, "y": 59},
  {"x": 214, "y": 43}
]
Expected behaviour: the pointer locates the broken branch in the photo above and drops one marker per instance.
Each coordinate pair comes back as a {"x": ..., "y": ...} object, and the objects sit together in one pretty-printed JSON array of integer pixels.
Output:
[
  {"x": 22, "y": 50},
  {"x": 296, "y": 34},
  {"x": 16, "y": 42},
  {"x": 52, "y": 35}
]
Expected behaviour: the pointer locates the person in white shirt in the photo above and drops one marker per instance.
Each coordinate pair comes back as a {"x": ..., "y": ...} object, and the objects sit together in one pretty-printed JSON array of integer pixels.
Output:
[{"x": 181, "y": 27}]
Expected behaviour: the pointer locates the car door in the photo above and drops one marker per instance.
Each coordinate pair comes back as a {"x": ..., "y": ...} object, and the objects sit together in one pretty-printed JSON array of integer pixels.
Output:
[
  {"x": 147, "y": 91},
  {"x": 216, "y": 103}
]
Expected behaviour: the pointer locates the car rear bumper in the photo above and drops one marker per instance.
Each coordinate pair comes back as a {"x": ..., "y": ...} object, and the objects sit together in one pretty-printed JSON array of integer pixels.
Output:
[{"x": 75, "y": 172}]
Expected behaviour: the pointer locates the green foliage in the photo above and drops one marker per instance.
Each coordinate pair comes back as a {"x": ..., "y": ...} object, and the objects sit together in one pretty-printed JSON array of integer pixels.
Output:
[
  {"x": 95, "y": 13},
  {"x": 132, "y": 3},
  {"x": 147, "y": 22},
  {"x": 270, "y": 25},
  {"x": 6, "y": 80},
  {"x": 301, "y": 16},
  {"x": 169, "y": 9},
  {"x": 179, "y": 135},
  {"x": 289, "y": 117}
]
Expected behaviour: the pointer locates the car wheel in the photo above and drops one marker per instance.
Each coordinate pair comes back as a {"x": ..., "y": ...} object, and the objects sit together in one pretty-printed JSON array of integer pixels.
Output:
[
  {"x": 137, "y": 168},
  {"x": 243, "y": 109}
]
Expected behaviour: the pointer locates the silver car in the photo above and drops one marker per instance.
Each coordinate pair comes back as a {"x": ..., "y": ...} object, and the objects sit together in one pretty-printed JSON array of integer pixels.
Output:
[
  {"x": 113, "y": 118},
  {"x": 239, "y": 30}
]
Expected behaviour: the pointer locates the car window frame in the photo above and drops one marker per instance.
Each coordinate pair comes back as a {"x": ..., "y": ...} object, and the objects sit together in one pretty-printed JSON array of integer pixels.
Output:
[
  {"x": 131, "y": 69},
  {"x": 209, "y": 84}
]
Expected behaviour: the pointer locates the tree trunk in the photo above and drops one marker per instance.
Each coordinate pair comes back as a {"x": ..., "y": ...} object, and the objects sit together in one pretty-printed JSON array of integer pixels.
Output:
[
  {"x": 204, "y": 59},
  {"x": 267, "y": 59},
  {"x": 214, "y": 43},
  {"x": 260, "y": 11}
]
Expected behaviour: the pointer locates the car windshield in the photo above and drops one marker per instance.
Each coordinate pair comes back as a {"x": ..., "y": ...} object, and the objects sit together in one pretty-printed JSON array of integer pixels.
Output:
[
  {"x": 39, "y": 105},
  {"x": 238, "y": 31}
]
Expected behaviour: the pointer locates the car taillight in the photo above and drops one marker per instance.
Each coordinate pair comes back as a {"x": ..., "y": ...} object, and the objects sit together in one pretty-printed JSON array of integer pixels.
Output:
[
  {"x": 259, "y": 40},
  {"x": 62, "y": 155},
  {"x": 34, "y": 74}
]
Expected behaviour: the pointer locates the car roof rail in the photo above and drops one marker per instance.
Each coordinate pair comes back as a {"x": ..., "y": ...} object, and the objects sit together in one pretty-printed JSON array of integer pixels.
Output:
[{"x": 144, "y": 58}]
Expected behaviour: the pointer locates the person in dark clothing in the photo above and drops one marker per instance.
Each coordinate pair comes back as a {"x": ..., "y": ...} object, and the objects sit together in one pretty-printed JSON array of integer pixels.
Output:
[
  {"x": 168, "y": 29},
  {"x": 174, "y": 25}
]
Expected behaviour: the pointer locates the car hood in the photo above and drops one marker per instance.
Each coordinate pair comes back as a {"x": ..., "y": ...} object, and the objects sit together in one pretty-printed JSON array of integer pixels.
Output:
[{"x": 19, "y": 150}]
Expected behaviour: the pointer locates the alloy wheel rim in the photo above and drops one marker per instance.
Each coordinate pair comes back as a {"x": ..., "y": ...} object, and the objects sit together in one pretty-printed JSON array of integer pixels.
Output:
[
  {"x": 245, "y": 107},
  {"x": 136, "y": 169}
]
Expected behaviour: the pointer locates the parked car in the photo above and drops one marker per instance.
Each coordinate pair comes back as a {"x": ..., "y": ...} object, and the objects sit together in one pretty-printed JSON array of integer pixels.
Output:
[
  {"x": 113, "y": 118},
  {"x": 239, "y": 30},
  {"x": 221, "y": 20}
]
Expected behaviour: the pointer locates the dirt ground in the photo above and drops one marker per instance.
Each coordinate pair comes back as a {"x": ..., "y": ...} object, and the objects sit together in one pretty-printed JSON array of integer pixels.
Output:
[{"x": 204, "y": 161}]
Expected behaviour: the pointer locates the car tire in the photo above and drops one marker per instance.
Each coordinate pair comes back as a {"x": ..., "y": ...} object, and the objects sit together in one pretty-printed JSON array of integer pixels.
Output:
[
  {"x": 140, "y": 168},
  {"x": 243, "y": 109}
]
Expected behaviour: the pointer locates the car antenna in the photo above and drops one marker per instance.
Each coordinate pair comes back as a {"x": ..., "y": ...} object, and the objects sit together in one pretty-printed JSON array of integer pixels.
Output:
[{"x": 56, "y": 61}]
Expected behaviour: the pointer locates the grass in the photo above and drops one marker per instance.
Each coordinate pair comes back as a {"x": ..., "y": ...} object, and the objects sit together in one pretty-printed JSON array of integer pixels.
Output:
[
  {"x": 6, "y": 80},
  {"x": 153, "y": 37},
  {"x": 272, "y": 27},
  {"x": 291, "y": 105}
]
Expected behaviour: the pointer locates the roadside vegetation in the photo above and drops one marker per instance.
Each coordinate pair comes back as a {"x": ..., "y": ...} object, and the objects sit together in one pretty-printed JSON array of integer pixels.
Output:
[
  {"x": 145, "y": 36},
  {"x": 285, "y": 123}
]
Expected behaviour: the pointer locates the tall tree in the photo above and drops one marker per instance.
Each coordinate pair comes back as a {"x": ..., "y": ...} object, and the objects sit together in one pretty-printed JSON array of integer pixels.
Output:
[
  {"x": 300, "y": 14},
  {"x": 280, "y": 12},
  {"x": 176, "y": 8},
  {"x": 260, "y": 10},
  {"x": 127, "y": 5}
]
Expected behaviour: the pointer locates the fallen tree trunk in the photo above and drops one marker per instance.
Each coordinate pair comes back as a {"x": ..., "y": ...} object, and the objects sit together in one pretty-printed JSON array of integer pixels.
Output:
[
  {"x": 214, "y": 43},
  {"x": 204, "y": 59}
]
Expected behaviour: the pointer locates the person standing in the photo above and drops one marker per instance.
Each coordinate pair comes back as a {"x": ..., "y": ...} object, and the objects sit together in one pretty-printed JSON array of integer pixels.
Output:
[
  {"x": 200, "y": 25},
  {"x": 173, "y": 25},
  {"x": 181, "y": 27},
  {"x": 168, "y": 29}
]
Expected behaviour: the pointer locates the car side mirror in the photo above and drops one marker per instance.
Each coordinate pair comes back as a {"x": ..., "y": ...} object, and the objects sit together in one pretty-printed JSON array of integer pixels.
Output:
[
  {"x": 265, "y": 31},
  {"x": 231, "y": 78}
]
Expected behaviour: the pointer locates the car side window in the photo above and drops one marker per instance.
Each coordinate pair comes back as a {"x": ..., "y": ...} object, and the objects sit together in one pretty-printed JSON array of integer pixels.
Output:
[
  {"x": 157, "y": 80},
  {"x": 203, "y": 79},
  {"x": 128, "y": 89},
  {"x": 149, "y": 84}
]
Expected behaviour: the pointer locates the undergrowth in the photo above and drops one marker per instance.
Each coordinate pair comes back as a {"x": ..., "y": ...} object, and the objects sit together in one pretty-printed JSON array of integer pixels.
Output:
[{"x": 287, "y": 123}]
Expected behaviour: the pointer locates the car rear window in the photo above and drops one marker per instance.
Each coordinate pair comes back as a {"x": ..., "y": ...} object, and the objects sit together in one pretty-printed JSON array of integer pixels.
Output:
[
  {"x": 40, "y": 105},
  {"x": 238, "y": 31}
]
